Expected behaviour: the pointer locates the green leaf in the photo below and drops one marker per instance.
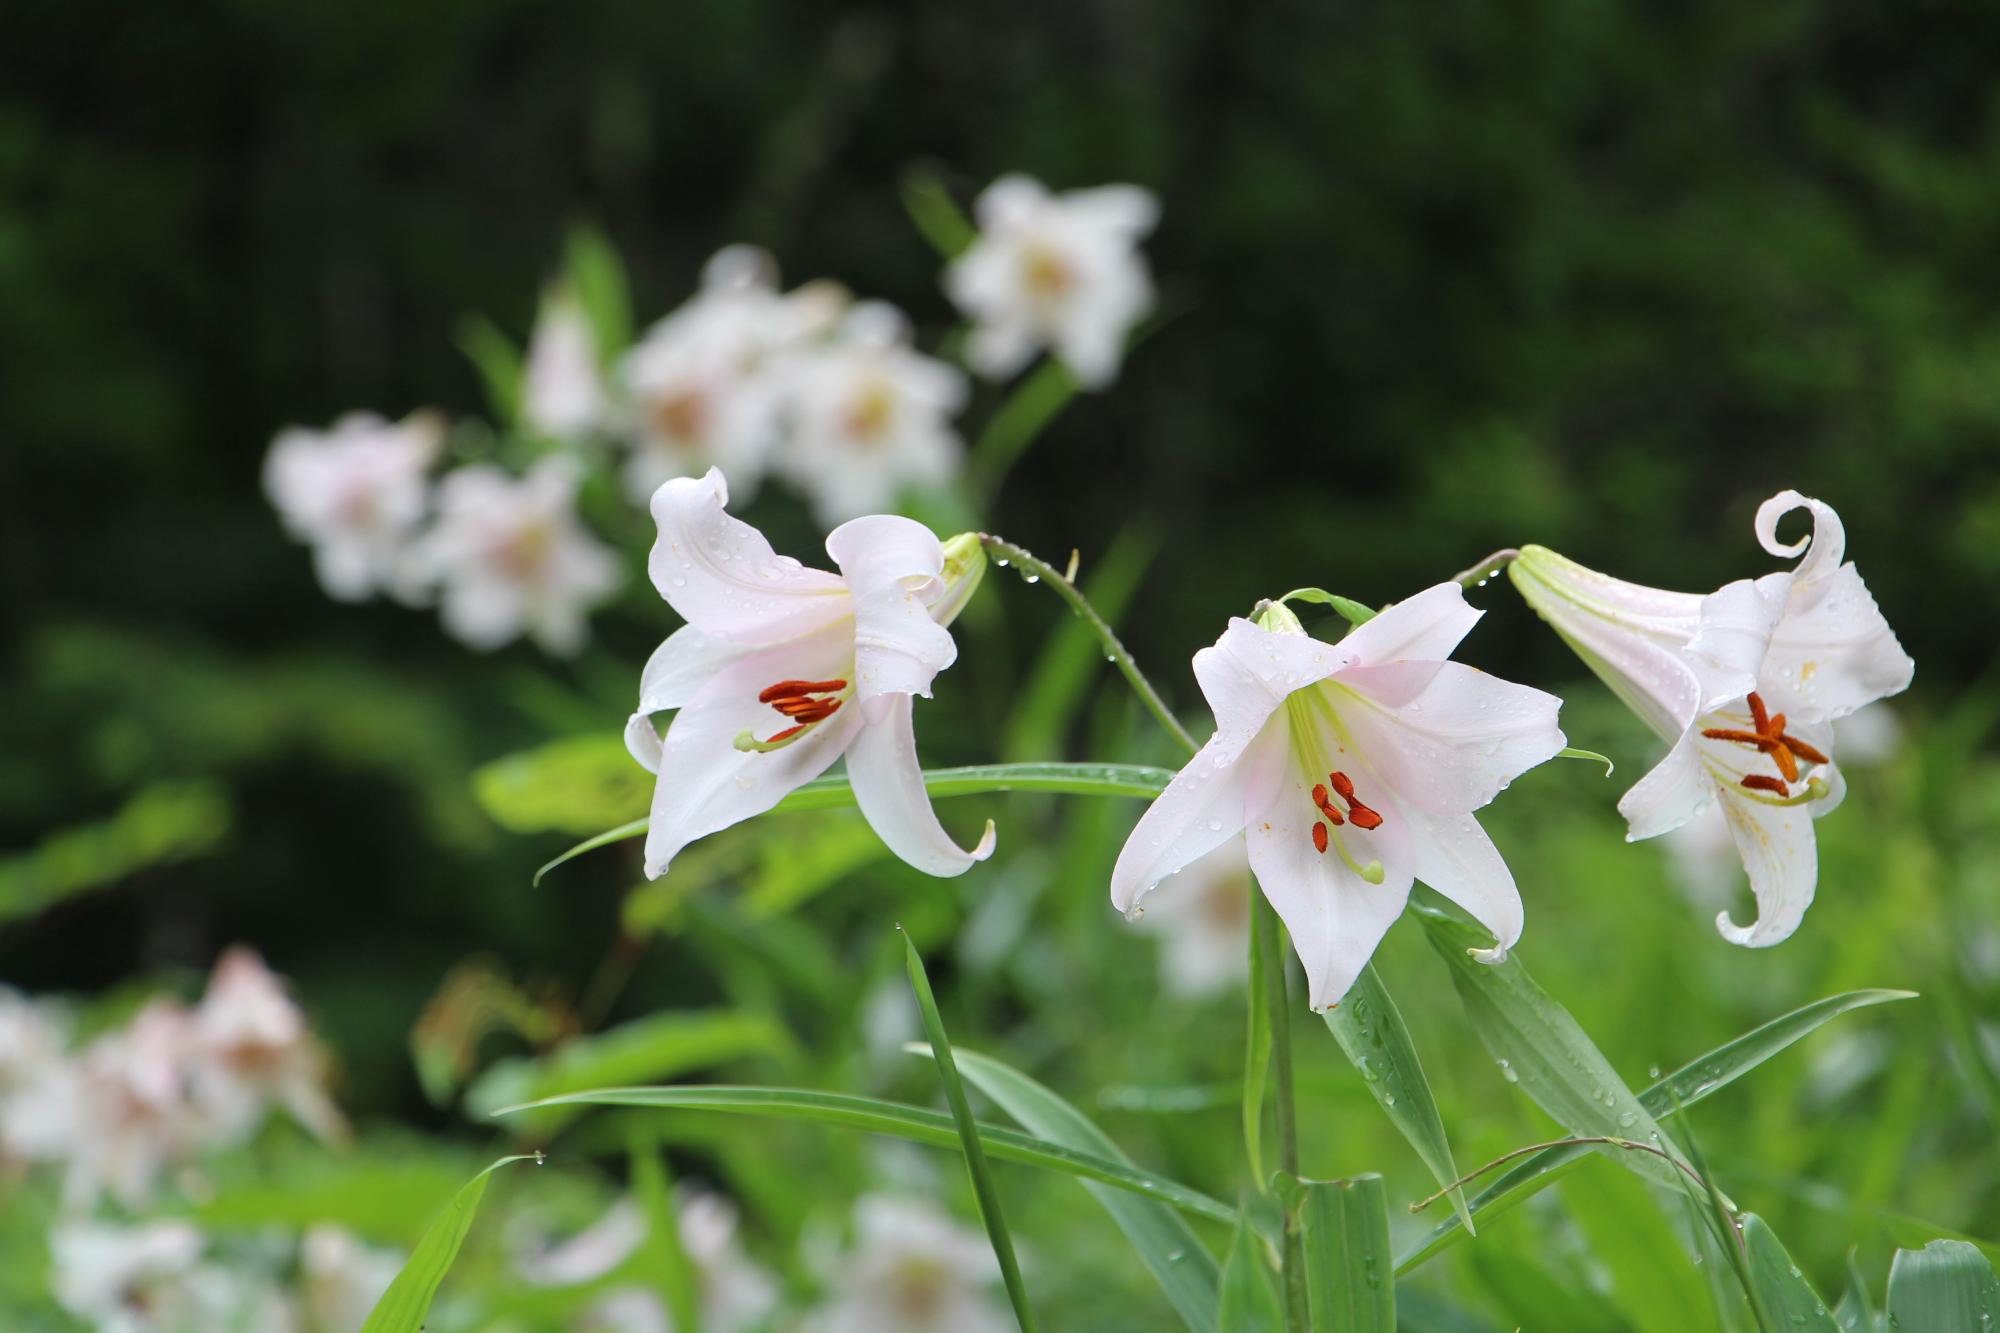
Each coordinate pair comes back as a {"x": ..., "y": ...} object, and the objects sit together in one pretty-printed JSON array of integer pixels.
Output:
[
  {"x": 1256, "y": 1059},
  {"x": 498, "y": 361},
  {"x": 1544, "y": 1051},
  {"x": 1377, "y": 1043},
  {"x": 1355, "y": 613},
  {"x": 407, "y": 1302},
  {"x": 1248, "y": 1299},
  {"x": 1693, "y": 1082},
  {"x": 983, "y": 1192},
  {"x": 664, "y": 1259},
  {"x": 1651, "y": 1280},
  {"x": 597, "y": 275},
  {"x": 1166, "y": 1244},
  {"x": 568, "y": 786},
  {"x": 1786, "y": 1298},
  {"x": 937, "y": 216},
  {"x": 1350, "y": 1280},
  {"x": 162, "y": 824},
  {"x": 659, "y": 1046},
  {"x": 1946, "y": 1285},
  {"x": 1856, "y": 1312},
  {"x": 915, "y": 1123},
  {"x": 834, "y": 793},
  {"x": 1019, "y": 421},
  {"x": 1571, "y": 752}
]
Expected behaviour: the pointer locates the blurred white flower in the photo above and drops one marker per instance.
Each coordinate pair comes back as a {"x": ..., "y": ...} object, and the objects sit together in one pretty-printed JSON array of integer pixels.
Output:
[
  {"x": 913, "y": 1268},
  {"x": 1054, "y": 271},
  {"x": 868, "y": 416},
  {"x": 735, "y": 1293},
  {"x": 249, "y": 1049},
  {"x": 131, "y": 1108},
  {"x": 513, "y": 559},
  {"x": 1745, "y": 685},
  {"x": 562, "y": 387},
  {"x": 781, "y": 670},
  {"x": 355, "y": 493},
  {"x": 699, "y": 386},
  {"x": 341, "y": 1279},
  {"x": 1201, "y": 915},
  {"x": 1354, "y": 768},
  {"x": 1871, "y": 735},
  {"x": 1702, "y": 858},
  {"x": 34, "y": 1065},
  {"x": 124, "y": 1279}
]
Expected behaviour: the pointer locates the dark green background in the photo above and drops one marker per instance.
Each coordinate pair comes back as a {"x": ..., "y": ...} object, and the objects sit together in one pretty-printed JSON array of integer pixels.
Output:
[{"x": 1446, "y": 277}]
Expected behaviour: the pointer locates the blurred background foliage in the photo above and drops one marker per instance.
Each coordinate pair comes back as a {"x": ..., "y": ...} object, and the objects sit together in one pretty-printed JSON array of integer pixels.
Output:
[{"x": 1441, "y": 278}]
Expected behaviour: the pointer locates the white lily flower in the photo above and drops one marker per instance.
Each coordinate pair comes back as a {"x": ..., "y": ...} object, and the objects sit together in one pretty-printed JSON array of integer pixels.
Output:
[
  {"x": 249, "y": 1049},
  {"x": 1201, "y": 915},
  {"x": 735, "y": 1293},
  {"x": 34, "y": 1061},
  {"x": 513, "y": 558},
  {"x": 123, "y": 1279},
  {"x": 782, "y": 669},
  {"x": 700, "y": 383},
  {"x": 355, "y": 493},
  {"x": 562, "y": 388},
  {"x": 869, "y": 416},
  {"x": 1745, "y": 685},
  {"x": 1354, "y": 769},
  {"x": 1054, "y": 271},
  {"x": 132, "y": 1108},
  {"x": 913, "y": 1269}
]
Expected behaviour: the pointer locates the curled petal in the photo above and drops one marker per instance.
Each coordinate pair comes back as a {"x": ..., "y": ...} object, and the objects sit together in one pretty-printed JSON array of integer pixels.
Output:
[
  {"x": 1455, "y": 857},
  {"x": 1833, "y": 653},
  {"x": 1674, "y": 792},
  {"x": 1778, "y": 849},
  {"x": 889, "y": 787},
  {"x": 894, "y": 568},
  {"x": 722, "y": 576},
  {"x": 1447, "y": 737},
  {"x": 1201, "y": 809},
  {"x": 1250, "y": 671},
  {"x": 642, "y": 741},
  {"x": 1425, "y": 627},
  {"x": 1824, "y": 547}
]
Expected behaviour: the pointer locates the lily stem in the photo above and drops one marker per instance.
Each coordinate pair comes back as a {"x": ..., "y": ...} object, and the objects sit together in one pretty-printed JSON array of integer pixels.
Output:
[
  {"x": 1036, "y": 569},
  {"x": 1265, "y": 931},
  {"x": 1487, "y": 568}
]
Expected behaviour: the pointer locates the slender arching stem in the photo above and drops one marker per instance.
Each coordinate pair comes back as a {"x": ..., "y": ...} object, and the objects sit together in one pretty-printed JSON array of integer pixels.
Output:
[
  {"x": 1487, "y": 568},
  {"x": 1579, "y": 1141},
  {"x": 1042, "y": 571}
]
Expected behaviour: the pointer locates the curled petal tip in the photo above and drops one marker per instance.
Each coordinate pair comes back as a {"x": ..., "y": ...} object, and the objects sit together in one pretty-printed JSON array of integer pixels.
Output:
[
  {"x": 1492, "y": 957},
  {"x": 987, "y": 841}
]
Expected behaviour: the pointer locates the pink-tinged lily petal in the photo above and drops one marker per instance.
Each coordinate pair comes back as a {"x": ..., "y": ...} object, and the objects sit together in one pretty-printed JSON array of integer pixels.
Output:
[
  {"x": 1335, "y": 917},
  {"x": 724, "y": 578},
  {"x": 889, "y": 787},
  {"x": 681, "y": 665},
  {"x": 1824, "y": 547},
  {"x": 1675, "y": 791},
  {"x": 1447, "y": 737},
  {"x": 894, "y": 568},
  {"x": 642, "y": 741},
  {"x": 1737, "y": 621},
  {"x": 1777, "y": 847},
  {"x": 1455, "y": 857},
  {"x": 1250, "y": 671},
  {"x": 1201, "y": 809},
  {"x": 707, "y": 784},
  {"x": 1630, "y": 635},
  {"x": 1422, "y": 628},
  {"x": 1834, "y": 652}
]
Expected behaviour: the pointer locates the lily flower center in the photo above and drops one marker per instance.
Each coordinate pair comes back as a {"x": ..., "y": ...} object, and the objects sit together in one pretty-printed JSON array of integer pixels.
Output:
[
  {"x": 682, "y": 416},
  {"x": 1766, "y": 735},
  {"x": 803, "y": 703},
  {"x": 1335, "y": 799},
  {"x": 1046, "y": 274}
]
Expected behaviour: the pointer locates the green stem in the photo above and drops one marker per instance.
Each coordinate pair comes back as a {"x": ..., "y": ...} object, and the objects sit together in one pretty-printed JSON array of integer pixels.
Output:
[
  {"x": 1039, "y": 570},
  {"x": 1472, "y": 575},
  {"x": 1266, "y": 932}
]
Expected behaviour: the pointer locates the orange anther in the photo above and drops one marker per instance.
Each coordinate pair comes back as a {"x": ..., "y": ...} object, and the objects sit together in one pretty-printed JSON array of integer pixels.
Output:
[
  {"x": 1804, "y": 751},
  {"x": 1765, "y": 782},
  {"x": 1758, "y": 717},
  {"x": 1319, "y": 837},
  {"x": 793, "y": 689}
]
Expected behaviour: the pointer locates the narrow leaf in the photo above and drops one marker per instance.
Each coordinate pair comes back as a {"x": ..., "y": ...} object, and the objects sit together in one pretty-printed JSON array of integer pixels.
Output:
[
  {"x": 834, "y": 793},
  {"x": 1946, "y": 1285},
  {"x": 1167, "y": 1245},
  {"x": 1353, "y": 612},
  {"x": 1787, "y": 1299},
  {"x": 1571, "y": 752},
  {"x": 498, "y": 362},
  {"x": 407, "y": 1302},
  {"x": 936, "y": 214},
  {"x": 597, "y": 275},
  {"x": 1372, "y": 1034},
  {"x": 1350, "y": 1279},
  {"x": 1248, "y": 1301},
  {"x": 1256, "y": 1059},
  {"x": 1856, "y": 1312},
  {"x": 983, "y": 1191},
  {"x": 915, "y": 1123}
]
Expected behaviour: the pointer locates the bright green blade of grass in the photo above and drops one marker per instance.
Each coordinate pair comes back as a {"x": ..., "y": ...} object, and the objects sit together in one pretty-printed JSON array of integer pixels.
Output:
[
  {"x": 1168, "y": 1246},
  {"x": 834, "y": 793},
  {"x": 1946, "y": 1285},
  {"x": 1350, "y": 1279},
  {"x": 983, "y": 1191},
  {"x": 1856, "y": 1312},
  {"x": 1787, "y": 1299},
  {"x": 1372, "y": 1034},
  {"x": 1545, "y": 1052},
  {"x": 407, "y": 1302},
  {"x": 1691, "y": 1083},
  {"x": 899, "y": 1120},
  {"x": 1248, "y": 1299}
]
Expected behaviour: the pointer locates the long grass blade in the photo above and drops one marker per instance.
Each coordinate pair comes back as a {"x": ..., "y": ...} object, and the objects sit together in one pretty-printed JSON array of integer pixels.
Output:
[{"x": 405, "y": 1305}]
